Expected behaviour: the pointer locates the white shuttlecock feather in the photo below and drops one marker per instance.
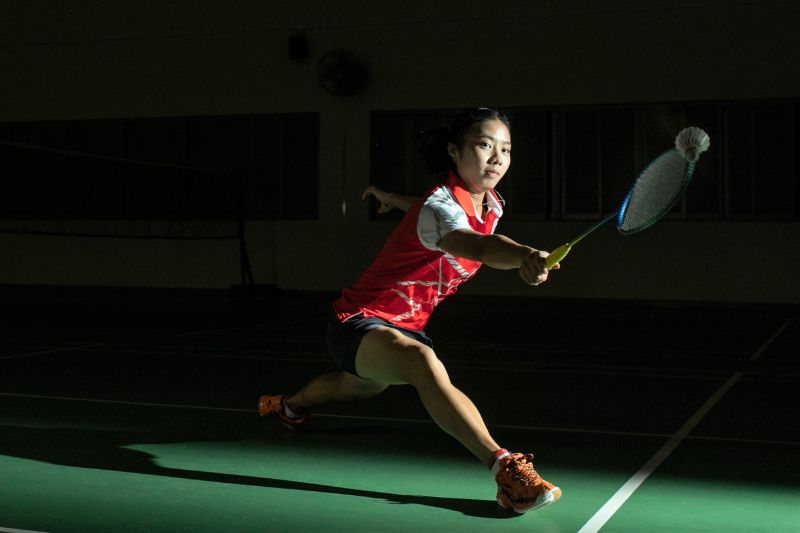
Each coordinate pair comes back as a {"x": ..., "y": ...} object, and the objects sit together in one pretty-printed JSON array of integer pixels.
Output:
[{"x": 691, "y": 142}]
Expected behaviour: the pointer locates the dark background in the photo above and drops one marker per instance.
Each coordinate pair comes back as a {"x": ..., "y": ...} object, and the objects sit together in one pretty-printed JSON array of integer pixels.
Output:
[{"x": 190, "y": 94}]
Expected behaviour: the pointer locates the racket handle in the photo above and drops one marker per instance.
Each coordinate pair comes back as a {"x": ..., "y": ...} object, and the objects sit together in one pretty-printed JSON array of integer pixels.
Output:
[{"x": 557, "y": 255}]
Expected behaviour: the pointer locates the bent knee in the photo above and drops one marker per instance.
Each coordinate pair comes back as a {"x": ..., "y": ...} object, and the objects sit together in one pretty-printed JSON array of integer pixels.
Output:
[
  {"x": 426, "y": 367},
  {"x": 387, "y": 356}
]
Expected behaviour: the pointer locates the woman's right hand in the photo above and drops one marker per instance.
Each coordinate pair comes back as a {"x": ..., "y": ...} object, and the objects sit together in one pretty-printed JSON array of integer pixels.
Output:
[{"x": 533, "y": 269}]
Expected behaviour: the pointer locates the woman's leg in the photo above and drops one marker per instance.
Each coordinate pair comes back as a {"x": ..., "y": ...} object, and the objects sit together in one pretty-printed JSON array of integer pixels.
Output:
[
  {"x": 333, "y": 387},
  {"x": 387, "y": 356}
]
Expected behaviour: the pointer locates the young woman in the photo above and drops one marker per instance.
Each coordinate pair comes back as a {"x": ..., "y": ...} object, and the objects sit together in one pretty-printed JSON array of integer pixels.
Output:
[{"x": 376, "y": 332}]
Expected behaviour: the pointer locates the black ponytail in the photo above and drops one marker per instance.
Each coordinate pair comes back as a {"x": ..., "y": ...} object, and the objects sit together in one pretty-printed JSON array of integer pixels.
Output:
[{"x": 433, "y": 146}]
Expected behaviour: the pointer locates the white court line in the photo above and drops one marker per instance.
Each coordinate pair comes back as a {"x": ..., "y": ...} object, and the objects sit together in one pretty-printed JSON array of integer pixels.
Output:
[
  {"x": 184, "y": 334},
  {"x": 550, "y": 368},
  {"x": 461, "y": 364},
  {"x": 763, "y": 348},
  {"x": 125, "y": 402},
  {"x": 428, "y": 421},
  {"x": 12, "y": 530},
  {"x": 30, "y": 354},
  {"x": 301, "y": 356},
  {"x": 206, "y": 332},
  {"x": 604, "y": 514}
]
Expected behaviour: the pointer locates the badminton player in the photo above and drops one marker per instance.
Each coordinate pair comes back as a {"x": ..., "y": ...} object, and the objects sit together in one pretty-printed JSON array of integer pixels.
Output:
[{"x": 376, "y": 329}]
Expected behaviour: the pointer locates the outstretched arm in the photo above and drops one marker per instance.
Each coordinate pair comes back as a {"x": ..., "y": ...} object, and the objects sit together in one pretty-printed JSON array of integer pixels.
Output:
[
  {"x": 388, "y": 200},
  {"x": 498, "y": 251}
]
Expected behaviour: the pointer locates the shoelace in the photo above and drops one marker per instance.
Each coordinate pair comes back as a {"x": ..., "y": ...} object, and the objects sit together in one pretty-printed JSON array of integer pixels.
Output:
[{"x": 522, "y": 469}]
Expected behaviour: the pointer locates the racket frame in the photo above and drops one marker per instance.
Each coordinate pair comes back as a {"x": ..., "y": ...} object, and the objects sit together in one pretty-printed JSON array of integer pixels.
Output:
[{"x": 687, "y": 177}]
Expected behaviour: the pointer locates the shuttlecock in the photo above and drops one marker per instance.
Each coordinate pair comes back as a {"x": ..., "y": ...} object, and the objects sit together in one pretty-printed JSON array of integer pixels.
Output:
[{"x": 691, "y": 142}]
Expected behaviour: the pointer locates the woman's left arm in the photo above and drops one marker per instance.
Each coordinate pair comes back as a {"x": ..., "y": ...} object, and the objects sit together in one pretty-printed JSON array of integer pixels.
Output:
[{"x": 389, "y": 200}]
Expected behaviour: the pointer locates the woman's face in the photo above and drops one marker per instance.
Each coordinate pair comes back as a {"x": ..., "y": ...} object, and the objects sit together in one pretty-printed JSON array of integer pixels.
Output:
[{"x": 484, "y": 157}]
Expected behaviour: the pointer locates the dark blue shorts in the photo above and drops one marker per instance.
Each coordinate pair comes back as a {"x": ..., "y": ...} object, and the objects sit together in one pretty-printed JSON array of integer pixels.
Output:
[{"x": 345, "y": 338}]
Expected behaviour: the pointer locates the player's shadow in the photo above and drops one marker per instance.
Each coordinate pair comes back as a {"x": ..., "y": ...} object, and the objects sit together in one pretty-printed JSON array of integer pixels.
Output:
[{"x": 106, "y": 450}]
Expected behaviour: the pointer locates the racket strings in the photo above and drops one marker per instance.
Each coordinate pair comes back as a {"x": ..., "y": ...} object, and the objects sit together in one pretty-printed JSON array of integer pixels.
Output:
[{"x": 655, "y": 192}]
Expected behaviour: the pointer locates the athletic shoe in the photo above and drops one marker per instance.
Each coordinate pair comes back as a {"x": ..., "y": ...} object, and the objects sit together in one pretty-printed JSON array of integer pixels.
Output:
[
  {"x": 273, "y": 405},
  {"x": 519, "y": 487}
]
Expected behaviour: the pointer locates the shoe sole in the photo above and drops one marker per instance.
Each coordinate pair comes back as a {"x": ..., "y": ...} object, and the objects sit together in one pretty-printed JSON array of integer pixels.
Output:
[{"x": 551, "y": 496}]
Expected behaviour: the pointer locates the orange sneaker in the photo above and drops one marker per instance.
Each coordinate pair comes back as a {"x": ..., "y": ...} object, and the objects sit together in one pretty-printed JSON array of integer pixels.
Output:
[
  {"x": 273, "y": 405},
  {"x": 519, "y": 487}
]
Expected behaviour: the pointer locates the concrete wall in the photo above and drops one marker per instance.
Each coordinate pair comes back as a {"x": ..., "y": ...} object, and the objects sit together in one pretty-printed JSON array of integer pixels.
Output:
[{"x": 163, "y": 58}]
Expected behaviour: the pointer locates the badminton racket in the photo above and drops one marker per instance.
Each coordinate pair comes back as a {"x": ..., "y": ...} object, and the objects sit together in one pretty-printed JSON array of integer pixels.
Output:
[{"x": 653, "y": 192}]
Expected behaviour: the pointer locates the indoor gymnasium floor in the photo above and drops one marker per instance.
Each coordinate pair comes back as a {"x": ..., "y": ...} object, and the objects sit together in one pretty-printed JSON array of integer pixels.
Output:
[{"x": 122, "y": 414}]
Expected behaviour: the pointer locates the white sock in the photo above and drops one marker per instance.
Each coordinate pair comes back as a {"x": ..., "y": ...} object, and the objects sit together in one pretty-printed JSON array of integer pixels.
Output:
[
  {"x": 288, "y": 412},
  {"x": 494, "y": 465}
]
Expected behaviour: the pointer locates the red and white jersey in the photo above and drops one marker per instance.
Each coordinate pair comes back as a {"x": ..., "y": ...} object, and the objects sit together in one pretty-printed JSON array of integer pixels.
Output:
[{"x": 411, "y": 275}]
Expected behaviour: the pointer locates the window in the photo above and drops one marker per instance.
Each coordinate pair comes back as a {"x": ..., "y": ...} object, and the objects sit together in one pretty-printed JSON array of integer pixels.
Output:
[
  {"x": 526, "y": 186},
  {"x": 578, "y": 162},
  {"x": 197, "y": 168},
  {"x": 760, "y": 170}
]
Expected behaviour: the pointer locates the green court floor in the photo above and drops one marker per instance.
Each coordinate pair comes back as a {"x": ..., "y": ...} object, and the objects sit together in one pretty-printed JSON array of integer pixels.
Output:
[{"x": 123, "y": 416}]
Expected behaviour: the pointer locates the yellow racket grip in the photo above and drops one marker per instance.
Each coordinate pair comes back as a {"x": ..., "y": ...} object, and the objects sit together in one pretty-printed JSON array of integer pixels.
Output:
[{"x": 557, "y": 255}]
